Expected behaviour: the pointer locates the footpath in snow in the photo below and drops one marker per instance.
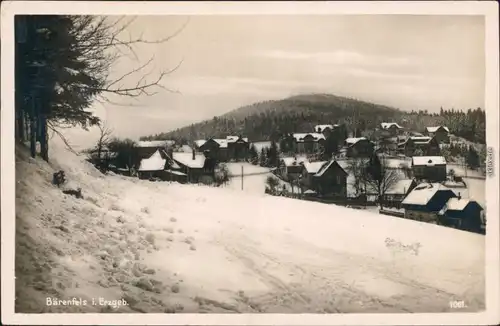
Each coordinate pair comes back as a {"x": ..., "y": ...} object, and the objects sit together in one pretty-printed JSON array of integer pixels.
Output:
[{"x": 166, "y": 247}]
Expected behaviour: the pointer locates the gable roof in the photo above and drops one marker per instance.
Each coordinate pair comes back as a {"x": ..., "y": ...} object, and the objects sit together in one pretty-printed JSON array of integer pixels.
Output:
[
  {"x": 187, "y": 159},
  {"x": 155, "y": 143},
  {"x": 423, "y": 193},
  {"x": 434, "y": 129},
  {"x": 455, "y": 204},
  {"x": 323, "y": 127},
  {"x": 154, "y": 163},
  {"x": 200, "y": 142},
  {"x": 387, "y": 125},
  {"x": 234, "y": 139},
  {"x": 325, "y": 168},
  {"x": 428, "y": 160},
  {"x": 314, "y": 167},
  {"x": 351, "y": 141},
  {"x": 300, "y": 136}
]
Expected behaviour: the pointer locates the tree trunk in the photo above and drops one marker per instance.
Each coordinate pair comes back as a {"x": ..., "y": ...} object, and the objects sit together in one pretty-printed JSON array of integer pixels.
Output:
[
  {"x": 44, "y": 146},
  {"x": 33, "y": 136}
]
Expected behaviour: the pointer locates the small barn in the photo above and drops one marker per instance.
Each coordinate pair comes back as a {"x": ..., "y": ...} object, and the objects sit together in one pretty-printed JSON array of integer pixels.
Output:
[{"x": 463, "y": 214}]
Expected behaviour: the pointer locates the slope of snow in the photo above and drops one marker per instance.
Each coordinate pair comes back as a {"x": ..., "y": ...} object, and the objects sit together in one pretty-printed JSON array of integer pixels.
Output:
[{"x": 167, "y": 247}]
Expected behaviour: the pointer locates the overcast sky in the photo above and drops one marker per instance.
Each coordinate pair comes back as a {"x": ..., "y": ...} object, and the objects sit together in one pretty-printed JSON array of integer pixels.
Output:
[{"x": 409, "y": 62}]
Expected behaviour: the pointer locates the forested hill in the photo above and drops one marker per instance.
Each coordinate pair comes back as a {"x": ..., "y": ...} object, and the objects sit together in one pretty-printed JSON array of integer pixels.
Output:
[{"x": 270, "y": 119}]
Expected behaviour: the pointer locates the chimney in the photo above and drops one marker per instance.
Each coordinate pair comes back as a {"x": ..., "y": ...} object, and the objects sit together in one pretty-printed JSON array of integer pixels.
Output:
[{"x": 194, "y": 155}]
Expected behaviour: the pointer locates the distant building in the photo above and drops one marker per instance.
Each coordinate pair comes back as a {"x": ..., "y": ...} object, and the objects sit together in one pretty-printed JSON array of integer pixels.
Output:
[
  {"x": 390, "y": 129},
  {"x": 159, "y": 166},
  {"x": 463, "y": 214},
  {"x": 325, "y": 129},
  {"x": 306, "y": 143},
  {"x": 331, "y": 180},
  {"x": 290, "y": 168},
  {"x": 425, "y": 202},
  {"x": 395, "y": 195},
  {"x": 441, "y": 133},
  {"x": 424, "y": 145},
  {"x": 430, "y": 168},
  {"x": 309, "y": 169},
  {"x": 358, "y": 147},
  {"x": 226, "y": 149},
  {"x": 197, "y": 167},
  {"x": 147, "y": 148}
]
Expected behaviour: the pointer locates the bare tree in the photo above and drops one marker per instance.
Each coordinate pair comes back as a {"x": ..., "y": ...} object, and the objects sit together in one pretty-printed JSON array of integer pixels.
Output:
[
  {"x": 381, "y": 177},
  {"x": 358, "y": 168},
  {"x": 101, "y": 161}
]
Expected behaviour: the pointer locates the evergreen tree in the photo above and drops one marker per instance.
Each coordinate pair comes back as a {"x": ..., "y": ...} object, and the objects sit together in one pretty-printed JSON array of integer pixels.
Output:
[
  {"x": 263, "y": 157},
  {"x": 472, "y": 159},
  {"x": 273, "y": 155},
  {"x": 253, "y": 155}
]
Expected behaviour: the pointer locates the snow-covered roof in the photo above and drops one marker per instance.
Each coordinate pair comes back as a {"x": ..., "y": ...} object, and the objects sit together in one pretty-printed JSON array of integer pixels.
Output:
[
  {"x": 293, "y": 161},
  {"x": 352, "y": 140},
  {"x": 222, "y": 142},
  {"x": 300, "y": 136},
  {"x": 428, "y": 160},
  {"x": 399, "y": 188},
  {"x": 387, "y": 125},
  {"x": 325, "y": 167},
  {"x": 155, "y": 143},
  {"x": 323, "y": 127},
  {"x": 154, "y": 163},
  {"x": 313, "y": 167},
  {"x": 455, "y": 204},
  {"x": 434, "y": 129},
  {"x": 422, "y": 193},
  {"x": 233, "y": 139},
  {"x": 200, "y": 142},
  {"x": 187, "y": 159}
]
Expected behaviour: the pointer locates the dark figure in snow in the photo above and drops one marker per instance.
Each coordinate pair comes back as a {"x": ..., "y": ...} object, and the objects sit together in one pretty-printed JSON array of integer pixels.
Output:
[
  {"x": 58, "y": 178},
  {"x": 77, "y": 193}
]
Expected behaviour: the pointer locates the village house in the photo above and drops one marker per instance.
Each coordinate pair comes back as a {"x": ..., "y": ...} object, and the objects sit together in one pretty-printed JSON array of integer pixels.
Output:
[
  {"x": 147, "y": 148},
  {"x": 430, "y": 168},
  {"x": 197, "y": 167},
  {"x": 440, "y": 133},
  {"x": 331, "y": 180},
  {"x": 159, "y": 166},
  {"x": 226, "y": 149},
  {"x": 309, "y": 169},
  {"x": 305, "y": 143},
  {"x": 358, "y": 147},
  {"x": 390, "y": 129},
  {"x": 290, "y": 168},
  {"x": 237, "y": 148},
  {"x": 419, "y": 144},
  {"x": 326, "y": 130},
  {"x": 425, "y": 202},
  {"x": 394, "y": 196},
  {"x": 463, "y": 214}
]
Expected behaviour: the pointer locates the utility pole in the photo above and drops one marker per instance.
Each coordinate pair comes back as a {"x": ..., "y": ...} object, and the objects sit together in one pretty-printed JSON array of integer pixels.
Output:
[{"x": 241, "y": 177}]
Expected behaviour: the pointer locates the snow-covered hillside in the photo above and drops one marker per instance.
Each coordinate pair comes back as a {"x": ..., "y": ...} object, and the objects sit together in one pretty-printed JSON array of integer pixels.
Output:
[{"x": 166, "y": 247}]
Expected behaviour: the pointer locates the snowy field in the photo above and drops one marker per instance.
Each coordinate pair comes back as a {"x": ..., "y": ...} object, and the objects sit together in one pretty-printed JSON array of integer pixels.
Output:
[{"x": 166, "y": 247}]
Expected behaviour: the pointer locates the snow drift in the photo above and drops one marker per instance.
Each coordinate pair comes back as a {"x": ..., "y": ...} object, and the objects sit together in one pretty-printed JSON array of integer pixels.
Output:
[{"x": 166, "y": 247}]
